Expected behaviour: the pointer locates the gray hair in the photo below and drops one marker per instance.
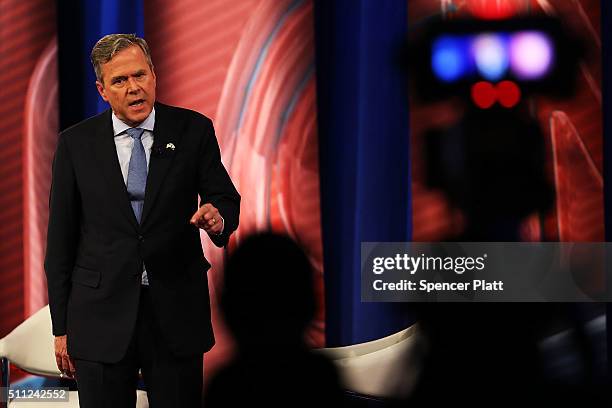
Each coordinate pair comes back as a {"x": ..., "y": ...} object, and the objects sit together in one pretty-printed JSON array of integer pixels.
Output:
[{"x": 109, "y": 45}]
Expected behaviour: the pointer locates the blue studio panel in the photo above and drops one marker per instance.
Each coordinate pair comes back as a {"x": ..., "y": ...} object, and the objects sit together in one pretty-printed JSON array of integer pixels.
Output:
[
  {"x": 81, "y": 23},
  {"x": 364, "y": 156}
]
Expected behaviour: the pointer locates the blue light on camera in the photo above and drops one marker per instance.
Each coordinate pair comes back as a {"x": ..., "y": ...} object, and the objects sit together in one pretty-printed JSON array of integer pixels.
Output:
[{"x": 449, "y": 59}]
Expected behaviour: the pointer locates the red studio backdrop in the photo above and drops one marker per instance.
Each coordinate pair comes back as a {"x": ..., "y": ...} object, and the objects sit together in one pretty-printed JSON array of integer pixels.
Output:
[
  {"x": 28, "y": 83},
  {"x": 249, "y": 65}
]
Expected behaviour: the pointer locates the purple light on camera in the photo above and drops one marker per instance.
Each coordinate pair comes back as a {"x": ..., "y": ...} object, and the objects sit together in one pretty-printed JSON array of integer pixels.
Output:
[{"x": 531, "y": 54}]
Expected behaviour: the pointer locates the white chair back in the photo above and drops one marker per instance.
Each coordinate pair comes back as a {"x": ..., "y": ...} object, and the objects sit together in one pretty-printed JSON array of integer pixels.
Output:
[
  {"x": 385, "y": 368},
  {"x": 30, "y": 345}
]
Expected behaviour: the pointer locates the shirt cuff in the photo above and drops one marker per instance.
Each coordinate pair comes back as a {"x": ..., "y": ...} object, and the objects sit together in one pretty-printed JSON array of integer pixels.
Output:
[{"x": 222, "y": 226}]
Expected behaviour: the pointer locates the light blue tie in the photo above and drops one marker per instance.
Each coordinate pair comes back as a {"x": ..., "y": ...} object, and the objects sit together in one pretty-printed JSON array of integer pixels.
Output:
[{"x": 137, "y": 173}]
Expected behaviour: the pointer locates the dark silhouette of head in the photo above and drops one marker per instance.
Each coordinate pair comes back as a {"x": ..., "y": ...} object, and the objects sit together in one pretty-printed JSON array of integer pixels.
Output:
[
  {"x": 268, "y": 295},
  {"x": 268, "y": 301}
]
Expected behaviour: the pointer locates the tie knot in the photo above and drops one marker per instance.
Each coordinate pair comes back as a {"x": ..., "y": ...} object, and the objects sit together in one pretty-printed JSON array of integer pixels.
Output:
[{"x": 135, "y": 133}]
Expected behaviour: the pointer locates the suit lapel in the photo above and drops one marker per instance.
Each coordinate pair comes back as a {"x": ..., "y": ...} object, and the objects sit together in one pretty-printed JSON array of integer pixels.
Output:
[
  {"x": 106, "y": 153},
  {"x": 167, "y": 130}
]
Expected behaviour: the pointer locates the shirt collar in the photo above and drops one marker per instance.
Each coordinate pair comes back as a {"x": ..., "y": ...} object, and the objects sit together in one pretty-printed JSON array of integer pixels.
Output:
[{"x": 119, "y": 126}]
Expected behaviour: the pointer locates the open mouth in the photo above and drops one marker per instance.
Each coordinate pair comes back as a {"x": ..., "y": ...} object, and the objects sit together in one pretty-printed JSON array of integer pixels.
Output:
[{"x": 137, "y": 103}]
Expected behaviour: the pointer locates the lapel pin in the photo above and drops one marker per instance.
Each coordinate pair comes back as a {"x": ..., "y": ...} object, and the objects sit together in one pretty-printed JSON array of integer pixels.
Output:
[{"x": 170, "y": 146}]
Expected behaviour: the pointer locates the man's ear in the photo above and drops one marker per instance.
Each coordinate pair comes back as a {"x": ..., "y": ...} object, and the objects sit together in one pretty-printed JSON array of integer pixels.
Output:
[{"x": 101, "y": 90}]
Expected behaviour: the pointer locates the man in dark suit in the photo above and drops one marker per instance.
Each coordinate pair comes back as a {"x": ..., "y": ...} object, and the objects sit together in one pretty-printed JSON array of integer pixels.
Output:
[{"x": 125, "y": 269}]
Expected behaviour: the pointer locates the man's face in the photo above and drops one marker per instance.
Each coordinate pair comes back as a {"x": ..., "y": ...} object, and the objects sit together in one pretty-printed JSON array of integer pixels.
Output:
[{"x": 128, "y": 85}]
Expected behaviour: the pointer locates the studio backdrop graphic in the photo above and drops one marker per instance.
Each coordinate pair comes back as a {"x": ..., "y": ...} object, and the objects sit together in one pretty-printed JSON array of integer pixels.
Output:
[{"x": 248, "y": 65}]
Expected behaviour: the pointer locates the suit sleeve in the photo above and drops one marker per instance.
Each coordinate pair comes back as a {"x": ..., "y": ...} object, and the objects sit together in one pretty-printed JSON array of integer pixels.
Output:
[
  {"x": 216, "y": 187},
  {"x": 62, "y": 235}
]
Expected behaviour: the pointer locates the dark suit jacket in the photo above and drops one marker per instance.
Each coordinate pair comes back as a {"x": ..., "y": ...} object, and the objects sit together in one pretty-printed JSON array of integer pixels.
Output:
[{"x": 95, "y": 246}]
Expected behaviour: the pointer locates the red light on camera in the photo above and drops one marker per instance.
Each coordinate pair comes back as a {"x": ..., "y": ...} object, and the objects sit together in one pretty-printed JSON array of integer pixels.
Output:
[
  {"x": 484, "y": 94},
  {"x": 508, "y": 94},
  {"x": 494, "y": 9}
]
